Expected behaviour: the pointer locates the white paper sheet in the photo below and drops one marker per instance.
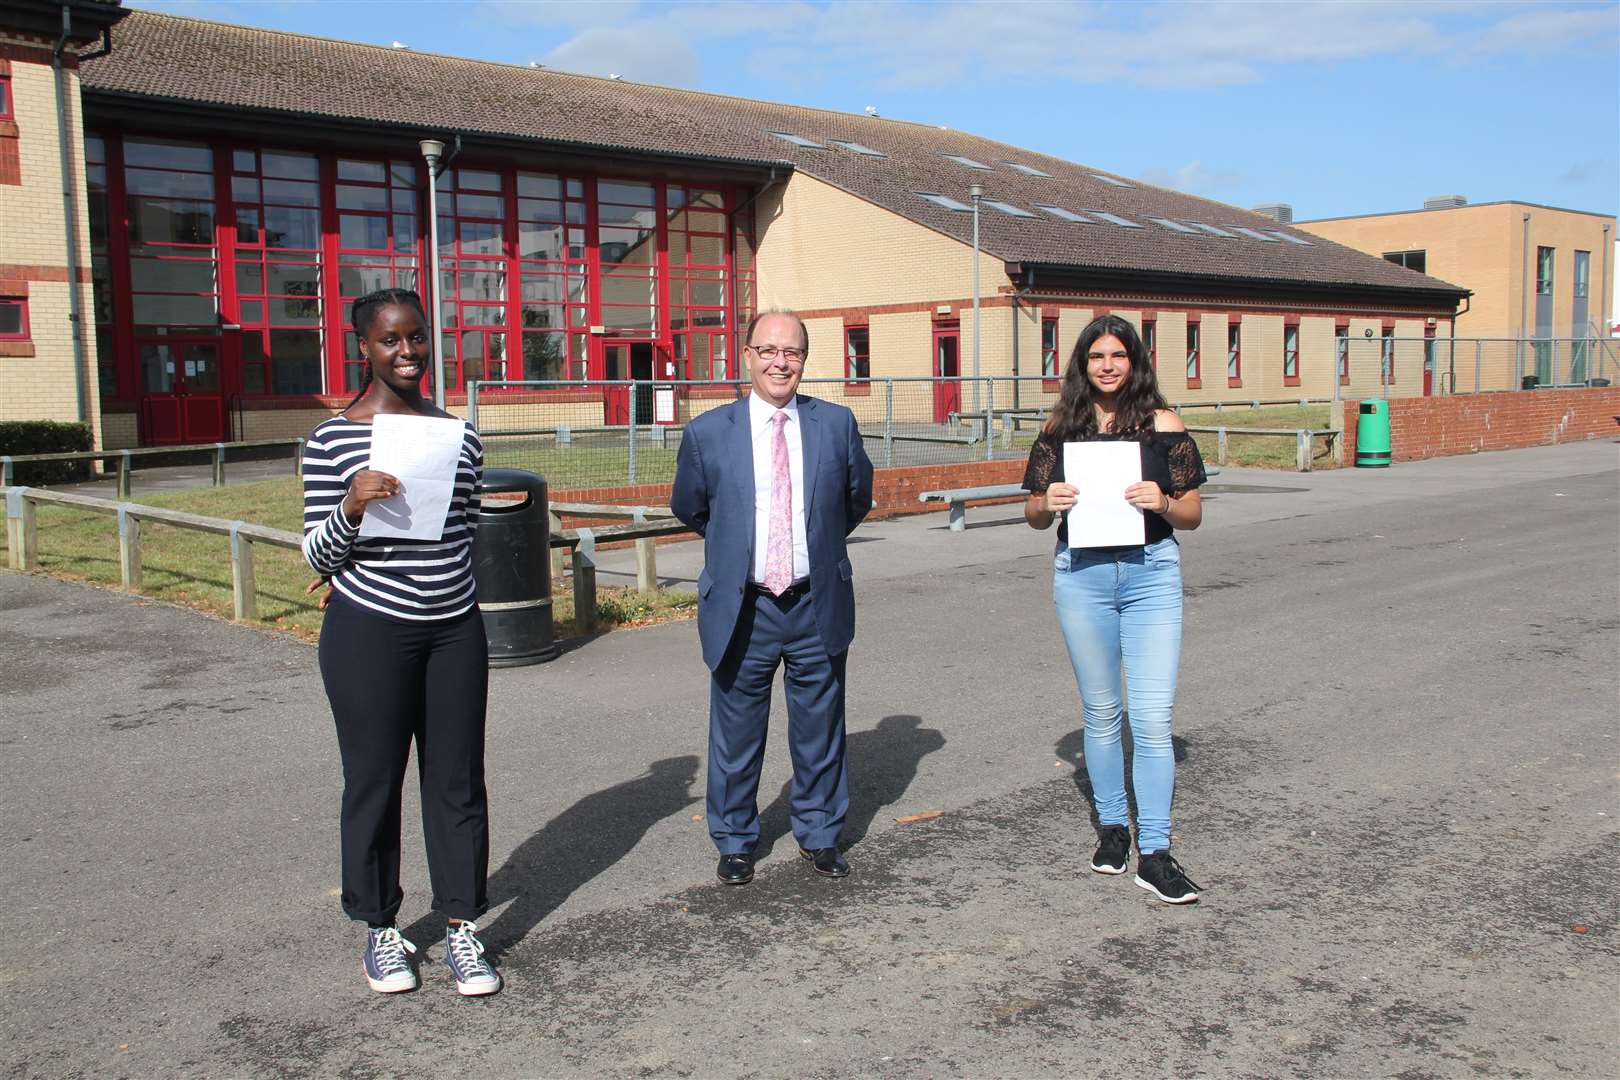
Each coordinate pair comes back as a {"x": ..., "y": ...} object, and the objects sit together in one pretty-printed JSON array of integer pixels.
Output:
[
  {"x": 423, "y": 451},
  {"x": 1100, "y": 472}
]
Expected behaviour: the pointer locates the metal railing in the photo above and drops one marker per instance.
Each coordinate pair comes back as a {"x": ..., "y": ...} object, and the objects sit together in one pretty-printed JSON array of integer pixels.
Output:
[{"x": 124, "y": 458}]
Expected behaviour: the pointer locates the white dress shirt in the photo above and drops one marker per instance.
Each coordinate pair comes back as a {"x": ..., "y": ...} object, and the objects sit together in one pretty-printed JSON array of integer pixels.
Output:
[{"x": 762, "y": 430}]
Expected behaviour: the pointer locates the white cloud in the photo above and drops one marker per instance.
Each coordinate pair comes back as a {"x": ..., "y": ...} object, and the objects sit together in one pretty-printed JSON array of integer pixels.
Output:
[
  {"x": 636, "y": 52},
  {"x": 1195, "y": 178}
]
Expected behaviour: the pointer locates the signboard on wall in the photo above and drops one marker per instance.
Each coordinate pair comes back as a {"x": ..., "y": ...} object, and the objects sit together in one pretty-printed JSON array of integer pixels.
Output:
[{"x": 663, "y": 404}]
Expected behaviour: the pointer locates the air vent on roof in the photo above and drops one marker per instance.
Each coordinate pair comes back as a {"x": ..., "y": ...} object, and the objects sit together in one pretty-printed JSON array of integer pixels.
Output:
[
  {"x": 969, "y": 162},
  {"x": 797, "y": 140},
  {"x": 1289, "y": 239},
  {"x": 1110, "y": 180},
  {"x": 859, "y": 148},
  {"x": 943, "y": 200},
  {"x": 1173, "y": 226},
  {"x": 1444, "y": 202},
  {"x": 1007, "y": 208},
  {"x": 1027, "y": 170},
  {"x": 1066, "y": 215},
  {"x": 1213, "y": 230},
  {"x": 1255, "y": 234},
  {"x": 1280, "y": 212},
  {"x": 1112, "y": 219}
]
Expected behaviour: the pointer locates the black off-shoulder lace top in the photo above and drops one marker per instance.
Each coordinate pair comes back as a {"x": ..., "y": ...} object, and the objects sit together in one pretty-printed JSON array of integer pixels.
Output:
[{"x": 1169, "y": 458}]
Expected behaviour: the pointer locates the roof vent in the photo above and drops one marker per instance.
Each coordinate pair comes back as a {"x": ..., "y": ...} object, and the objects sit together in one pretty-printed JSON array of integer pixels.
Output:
[
  {"x": 1444, "y": 202},
  {"x": 399, "y": 45},
  {"x": 871, "y": 110},
  {"x": 1280, "y": 212}
]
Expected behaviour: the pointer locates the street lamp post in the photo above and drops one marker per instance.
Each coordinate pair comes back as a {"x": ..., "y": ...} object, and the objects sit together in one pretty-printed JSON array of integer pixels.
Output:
[
  {"x": 975, "y": 192},
  {"x": 432, "y": 151}
]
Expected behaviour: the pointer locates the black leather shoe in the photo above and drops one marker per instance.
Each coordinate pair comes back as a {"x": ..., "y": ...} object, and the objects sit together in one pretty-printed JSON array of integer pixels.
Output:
[
  {"x": 735, "y": 869},
  {"x": 827, "y": 861}
]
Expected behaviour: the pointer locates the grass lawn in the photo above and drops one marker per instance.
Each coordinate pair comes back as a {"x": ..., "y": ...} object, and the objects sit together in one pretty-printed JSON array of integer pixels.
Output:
[
  {"x": 580, "y": 466},
  {"x": 194, "y": 568},
  {"x": 1261, "y": 451}
]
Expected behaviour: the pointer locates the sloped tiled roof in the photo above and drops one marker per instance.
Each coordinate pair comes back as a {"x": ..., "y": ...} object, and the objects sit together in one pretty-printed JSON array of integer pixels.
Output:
[{"x": 180, "y": 59}]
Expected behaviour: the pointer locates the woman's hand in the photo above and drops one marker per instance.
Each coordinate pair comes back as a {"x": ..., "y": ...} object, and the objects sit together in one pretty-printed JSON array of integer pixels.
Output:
[
  {"x": 367, "y": 485},
  {"x": 325, "y": 597},
  {"x": 1060, "y": 499},
  {"x": 1148, "y": 496}
]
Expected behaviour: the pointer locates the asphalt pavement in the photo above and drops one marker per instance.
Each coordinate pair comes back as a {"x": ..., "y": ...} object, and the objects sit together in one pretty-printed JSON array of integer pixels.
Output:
[{"x": 1397, "y": 783}]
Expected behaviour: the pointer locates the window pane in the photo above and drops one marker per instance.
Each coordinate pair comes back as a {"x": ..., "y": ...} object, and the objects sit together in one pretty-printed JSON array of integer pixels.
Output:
[
  {"x": 402, "y": 173},
  {"x": 483, "y": 285},
  {"x": 481, "y": 206},
  {"x": 371, "y": 171},
  {"x": 10, "y": 318},
  {"x": 292, "y": 193},
  {"x": 404, "y": 232},
  {"x": 356, "y": 197},
  {"x": 629, "y": 318},
  {"x": 159, "y": 310},
  {"x": 480, "y": 237},
  {"x": 472, "y": 355},
  {"x": 708, "y": 293},
  {"x": 538, "y": 241},
  {"x": 538, "y": 186},
  {"x": 478, "y": 180},
  {"x": 244, "y": 189},
  {"x": 626, "y": 192},
  {"x": 247, "y": 225},
  {"x": 543, "y": 356},
  {"x": 290, "y": 166},
  {"x": 172, "y": 275},
  {"x": 363, "y": 231},
  {"x": 542, "y": 316},
  {"x": 293, "y": 279},
  {"x": 295, "y": 361},
  {"x": 168, "y": 155},
  {"x": 285, "y": 227},
  {"x": 175, "y": 184},
  {"x": 627, "y": 246},
  {"x": 245, "y": 160},
  {"x": 360, "y": 280},
  {"x": 251, "y": 312},
  {"x": 483, "y": 315},
  {"x": 167, "y": 221},
  {"x": 294, "y": 311}
]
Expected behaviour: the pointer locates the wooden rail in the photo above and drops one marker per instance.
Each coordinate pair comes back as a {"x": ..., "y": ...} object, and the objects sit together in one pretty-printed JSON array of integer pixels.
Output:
[
  {"x": 1304, "y": 439},
  {"x": 22, "y": 542},
  {"x": 124, "y": 457}
]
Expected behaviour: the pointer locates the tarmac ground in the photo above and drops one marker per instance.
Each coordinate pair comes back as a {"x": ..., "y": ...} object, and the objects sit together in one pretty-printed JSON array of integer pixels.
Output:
[{"x": 1397, "y": 776}]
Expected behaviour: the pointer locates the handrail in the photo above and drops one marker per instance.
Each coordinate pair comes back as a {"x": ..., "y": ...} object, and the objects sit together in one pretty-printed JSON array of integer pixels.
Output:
[
  {"x": 1304, "y": 438},
  {"x": 124, "y": 456}
]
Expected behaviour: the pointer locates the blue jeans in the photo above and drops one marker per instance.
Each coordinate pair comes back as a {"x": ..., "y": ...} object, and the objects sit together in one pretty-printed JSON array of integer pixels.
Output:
[{"x": 1123, "y": 610}]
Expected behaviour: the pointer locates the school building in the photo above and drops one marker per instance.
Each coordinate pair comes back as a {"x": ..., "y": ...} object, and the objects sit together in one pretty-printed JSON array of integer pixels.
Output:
[
  {"x": 1534, "y": 271},
  {"x": 231, "y": 189}
]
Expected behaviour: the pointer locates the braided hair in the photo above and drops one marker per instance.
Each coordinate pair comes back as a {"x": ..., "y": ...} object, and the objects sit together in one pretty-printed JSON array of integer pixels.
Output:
[
  {"x": 364, "y": 312},
  {"x": 1074, "y": 417}
]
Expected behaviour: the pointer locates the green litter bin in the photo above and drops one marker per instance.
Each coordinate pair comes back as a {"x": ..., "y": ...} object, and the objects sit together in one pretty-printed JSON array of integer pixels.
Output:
[{"x": 1372, "y": 435}]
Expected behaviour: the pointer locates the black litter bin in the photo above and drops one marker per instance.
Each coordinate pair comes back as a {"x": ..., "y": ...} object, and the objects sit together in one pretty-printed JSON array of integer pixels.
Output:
[
  {"x": 512, "y": 566},
  {"x": 1529, "y": 382}
]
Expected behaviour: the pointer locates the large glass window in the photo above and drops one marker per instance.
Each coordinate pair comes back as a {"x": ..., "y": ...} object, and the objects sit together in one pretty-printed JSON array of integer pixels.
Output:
[
  {"x": 1412, "y": 260},
  {"x": 857, "y": 352},
  {"x": 277, "y": 200},
  {"x": 1194, "y": 334},
  {"x": 1049, "y": 348},
  {"x": 1341, "y": 350},
  {"x": 1291, "y": 354},
  {"x": 627, "y": 234},
  {"x": 378, "y": 240},
  {"x": 551, "y": 246},
  {"x": 173, "y": 266},
  {"x": 101, "y": 283},
  {"x": 1544, "y": 271},
  {"x": 1583, "y": 274},
  {"x": 473, "y": 275},
  {"x": 698, "y": 283},
  {"x": 1234, "y": 353}
]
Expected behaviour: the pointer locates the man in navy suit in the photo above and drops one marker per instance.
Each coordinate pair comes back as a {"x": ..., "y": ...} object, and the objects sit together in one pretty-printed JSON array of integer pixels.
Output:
[{"x": 774, "y": 483}]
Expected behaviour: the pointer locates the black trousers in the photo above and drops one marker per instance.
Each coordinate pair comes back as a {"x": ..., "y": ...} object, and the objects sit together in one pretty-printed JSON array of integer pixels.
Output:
[{"x": 391, "y": 683}]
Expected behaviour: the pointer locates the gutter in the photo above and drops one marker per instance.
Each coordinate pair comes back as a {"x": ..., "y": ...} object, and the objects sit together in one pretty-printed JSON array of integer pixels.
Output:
[
  {"x": 70, "y": 214},
  {"x": 1029, "y": 287}
]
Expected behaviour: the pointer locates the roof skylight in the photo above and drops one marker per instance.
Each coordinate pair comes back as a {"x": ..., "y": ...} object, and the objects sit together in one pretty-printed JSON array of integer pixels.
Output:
[
  {"x": 1173, "y": 226},
  {"x": 1027, "y": 170},
  {"x": 797, "y": 140},
  {"x": 967, "y": 161},
  {"x": 1007, "y": 208},
  {"x": 1213, "y": 230},
  {"x": 1254, "y": 233},
  {"x": 1066, "y": 215},
  {"x": 859, "y": 148},
  {"x": 1114, "y": 219},
  {"x": 1290, "y": 239},
  {"x": 943, "y": 200},
  {"x": 1110, "y": 180}
]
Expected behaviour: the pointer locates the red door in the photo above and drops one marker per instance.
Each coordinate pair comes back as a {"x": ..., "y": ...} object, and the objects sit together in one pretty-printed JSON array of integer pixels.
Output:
[
  {"x": 616, "y": 399},
  {"x": 181, "y": 402},
  {"x": 947, "y": 373},
  {"x": 1428, "y": 361}
]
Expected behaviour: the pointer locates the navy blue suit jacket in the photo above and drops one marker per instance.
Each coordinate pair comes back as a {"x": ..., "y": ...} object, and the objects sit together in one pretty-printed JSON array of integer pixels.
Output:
[{"x": 714, "y": 494}]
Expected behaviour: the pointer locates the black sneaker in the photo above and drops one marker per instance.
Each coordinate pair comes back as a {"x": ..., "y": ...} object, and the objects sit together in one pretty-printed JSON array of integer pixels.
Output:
[
  {"x": 1113, "y": 850},
  {"x": 1161, "y": 875}
]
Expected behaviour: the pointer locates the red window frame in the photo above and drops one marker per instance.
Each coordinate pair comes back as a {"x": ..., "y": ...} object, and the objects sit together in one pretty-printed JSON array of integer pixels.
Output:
[
  {"x": 245, "y": 225},
  {"x": 697, "y": 289},
  {"x": 8, "y": 102},
  {"x": 1195, "y": 358},
  {"x": 858, "y": 358},
  {"x": 21, "y": 304},
  {"x": 397, "y": 262},
  {"x": 1341, "y": 349},
  {"x": 1049, "y": 347},
  {"x": 1150, "y": 339},
  {"x": 1290, "y": 358},
  {"x": 1234, "y": 352}
]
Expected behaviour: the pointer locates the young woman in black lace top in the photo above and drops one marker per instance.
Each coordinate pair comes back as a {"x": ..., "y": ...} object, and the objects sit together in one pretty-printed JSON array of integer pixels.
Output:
[{"x": 1120, "y": 608}]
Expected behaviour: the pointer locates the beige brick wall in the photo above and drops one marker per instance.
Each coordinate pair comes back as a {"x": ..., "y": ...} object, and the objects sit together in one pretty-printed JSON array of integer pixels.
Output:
[
  {"x": 821, "y": 247},
  {"x": 1482, "y": 248},
  {"x": 1316, "y": 359},
  {"x": 33, "y": 234}
]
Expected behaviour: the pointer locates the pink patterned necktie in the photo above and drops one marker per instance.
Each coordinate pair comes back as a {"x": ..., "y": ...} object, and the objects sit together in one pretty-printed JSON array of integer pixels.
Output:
[{"x": 779, "y": 537}]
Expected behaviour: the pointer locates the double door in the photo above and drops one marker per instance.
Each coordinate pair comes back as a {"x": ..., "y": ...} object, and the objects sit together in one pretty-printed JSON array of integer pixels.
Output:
[
  {"x": 181, "y": 398},
  {"x": 641, "y": 361}
]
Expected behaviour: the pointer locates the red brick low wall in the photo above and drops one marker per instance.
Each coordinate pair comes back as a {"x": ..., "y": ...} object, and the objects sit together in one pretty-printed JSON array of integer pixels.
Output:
[
  {"x": 1439, "y": 426},
  {"x": 894, "y": 491}
]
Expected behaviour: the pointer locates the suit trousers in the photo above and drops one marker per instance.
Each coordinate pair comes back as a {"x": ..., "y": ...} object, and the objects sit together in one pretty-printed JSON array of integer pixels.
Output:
[
  {"x": 772, "y": 632},
  {"x": 391, "y": 683}
]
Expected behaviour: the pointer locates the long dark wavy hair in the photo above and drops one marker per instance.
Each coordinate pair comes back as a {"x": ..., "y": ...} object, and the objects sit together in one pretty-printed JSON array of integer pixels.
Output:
[{"x": 1074, "y": 417}]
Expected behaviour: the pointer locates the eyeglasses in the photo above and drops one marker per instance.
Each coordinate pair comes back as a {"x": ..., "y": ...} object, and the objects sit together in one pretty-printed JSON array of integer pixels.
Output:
[{"x": 771, "y": 352}]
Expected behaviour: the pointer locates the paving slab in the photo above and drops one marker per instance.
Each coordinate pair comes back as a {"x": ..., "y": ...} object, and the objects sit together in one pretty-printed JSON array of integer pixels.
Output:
[{"x": 1397, "y": 782}]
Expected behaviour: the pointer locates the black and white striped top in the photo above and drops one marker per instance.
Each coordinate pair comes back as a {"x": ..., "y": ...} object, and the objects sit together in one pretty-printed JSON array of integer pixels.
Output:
[{"x": 405, "y": 580}]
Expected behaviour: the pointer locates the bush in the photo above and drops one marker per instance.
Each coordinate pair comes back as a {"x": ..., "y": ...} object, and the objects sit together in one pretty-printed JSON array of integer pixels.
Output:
[{"x": 19, "y": 437}]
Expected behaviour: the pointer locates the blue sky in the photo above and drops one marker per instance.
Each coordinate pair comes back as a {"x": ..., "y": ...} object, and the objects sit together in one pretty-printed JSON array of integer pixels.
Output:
[{"x": 1336, "y": 108}]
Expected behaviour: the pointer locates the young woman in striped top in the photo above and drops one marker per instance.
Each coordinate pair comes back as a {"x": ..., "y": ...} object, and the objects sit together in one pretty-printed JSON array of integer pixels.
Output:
[{"x": 404, "y": 658}]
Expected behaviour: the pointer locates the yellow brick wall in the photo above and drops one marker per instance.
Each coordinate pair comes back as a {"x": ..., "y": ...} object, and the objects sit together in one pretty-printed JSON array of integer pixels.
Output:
[
  {"x": 1316, "y": 359},
  {"x": 32, "y": 233},
  {"x": 902, "y": 344},
  {"x": 821, "y": 247},
  {"x": 1172, "y": 331}
]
